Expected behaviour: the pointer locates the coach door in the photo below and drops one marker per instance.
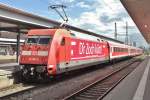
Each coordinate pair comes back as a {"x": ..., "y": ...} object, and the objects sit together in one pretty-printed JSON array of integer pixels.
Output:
[{"x": 67, "y": 49}]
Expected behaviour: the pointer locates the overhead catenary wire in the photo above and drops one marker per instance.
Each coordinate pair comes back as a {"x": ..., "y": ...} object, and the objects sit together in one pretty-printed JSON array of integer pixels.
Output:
[{"x": 63, "y": 15}]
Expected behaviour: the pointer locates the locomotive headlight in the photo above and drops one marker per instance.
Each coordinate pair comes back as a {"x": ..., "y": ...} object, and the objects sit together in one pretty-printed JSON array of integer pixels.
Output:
[
  {"x": 32, "y": 68},
  {"x": 50, "y": 69},
  {"x": 21, "y": 67},
  {"x": 51, "y": 66}
]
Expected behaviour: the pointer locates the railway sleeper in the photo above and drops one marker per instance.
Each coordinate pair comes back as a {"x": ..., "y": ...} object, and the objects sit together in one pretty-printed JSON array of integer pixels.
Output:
[
  {"x": 92, "y": 94},
  {"x": 97, "y": 89},
  {"x": 97, "y": 92},
  {"x": 81, "y": 98},
  {"x": 108, "y": 81},
  {"x": 86, "y": 97},
  {"x": 105, "y": 85},
  {"x": 100, "y": 87},
  {"x": 101, "y": 91}
]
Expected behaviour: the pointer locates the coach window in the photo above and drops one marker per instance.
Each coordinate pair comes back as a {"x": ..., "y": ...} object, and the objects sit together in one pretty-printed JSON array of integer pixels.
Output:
[
  {"x": 114, "y": 49},
  {"x": 63, "y": 42},
  {"x": 119, "y": 49},
  {"x": 122, "y": 49}
]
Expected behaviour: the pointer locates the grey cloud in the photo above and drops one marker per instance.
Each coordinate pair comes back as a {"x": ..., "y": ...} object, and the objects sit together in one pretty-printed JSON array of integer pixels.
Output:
[
  {"x": 107, "y": 19},
  {"x": 122, "y": 14}
]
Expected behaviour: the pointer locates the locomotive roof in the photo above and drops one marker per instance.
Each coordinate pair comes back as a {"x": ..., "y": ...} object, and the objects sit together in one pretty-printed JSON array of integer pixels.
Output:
[{"x": 43, "y": 31}]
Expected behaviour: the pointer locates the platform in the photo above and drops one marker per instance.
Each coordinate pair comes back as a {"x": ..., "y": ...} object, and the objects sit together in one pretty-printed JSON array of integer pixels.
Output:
[
  {"x": 8, "y": 66},
  {"x": 7, "y": 59},
  {"x": 136, "y": 86},
  {"x": 6, "y": 71}
]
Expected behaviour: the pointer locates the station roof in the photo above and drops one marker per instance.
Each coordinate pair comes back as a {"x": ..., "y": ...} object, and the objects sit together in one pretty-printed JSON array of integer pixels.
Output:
[
  {"x": 139, "y": 10},
  {"x": 16, "y": 20}
]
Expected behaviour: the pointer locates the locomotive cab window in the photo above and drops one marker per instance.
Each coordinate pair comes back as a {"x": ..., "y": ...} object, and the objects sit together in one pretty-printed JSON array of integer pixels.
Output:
[
  {"x": 39, "y": 39},
  {"x": 44, "y": 39},
  {"x": 32, "y": 39}
]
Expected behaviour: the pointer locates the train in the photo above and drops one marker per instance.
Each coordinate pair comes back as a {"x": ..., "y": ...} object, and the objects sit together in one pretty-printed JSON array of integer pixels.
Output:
[{"x": 51, "y": 52}]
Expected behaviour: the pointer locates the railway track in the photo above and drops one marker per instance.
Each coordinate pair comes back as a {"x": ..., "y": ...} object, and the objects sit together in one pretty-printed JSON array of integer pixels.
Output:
[{"x": 98, "y": 89}]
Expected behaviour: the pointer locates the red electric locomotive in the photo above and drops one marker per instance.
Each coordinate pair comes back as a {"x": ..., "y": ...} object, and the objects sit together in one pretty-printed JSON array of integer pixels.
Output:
[
  {"x": 48, "y": 52},
  {"x": 54, "y": 51}
]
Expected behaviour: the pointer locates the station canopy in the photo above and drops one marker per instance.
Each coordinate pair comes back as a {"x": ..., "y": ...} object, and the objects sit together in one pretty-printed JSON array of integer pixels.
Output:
[
  {"x": 17, "y": 21},
  {"x": 139, "y": 10},
  {"x": 14, "y": 21}
]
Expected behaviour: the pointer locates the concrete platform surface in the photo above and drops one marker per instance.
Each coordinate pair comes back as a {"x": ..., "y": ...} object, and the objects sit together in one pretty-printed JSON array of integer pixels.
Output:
[
  {"x": 7, "y": 59},
  {"x": 6, "y": 71},
  {"x": 8, "y": 66},
  {"x": 147, "y": 88},
  {"x": 136, "y": 86}
]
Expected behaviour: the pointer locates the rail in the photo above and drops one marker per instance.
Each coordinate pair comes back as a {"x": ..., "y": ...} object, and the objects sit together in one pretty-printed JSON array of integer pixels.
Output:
[{"x": 98, "y": 89}]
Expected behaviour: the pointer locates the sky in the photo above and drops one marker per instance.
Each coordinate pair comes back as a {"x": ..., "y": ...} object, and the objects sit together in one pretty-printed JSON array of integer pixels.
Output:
[{"x": 97, "y": 16}]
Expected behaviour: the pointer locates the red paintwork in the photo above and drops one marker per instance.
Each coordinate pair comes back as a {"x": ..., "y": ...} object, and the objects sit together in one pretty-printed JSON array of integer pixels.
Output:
[
  {"x": 85, "y": 49},
  {"x": 132, "y": 51},
  {"x": 119, "y": 53},
  {"x": 116, "y": 53},
  {"x": 42, "y": 32},
  {"x": 33, "y": 58}
]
